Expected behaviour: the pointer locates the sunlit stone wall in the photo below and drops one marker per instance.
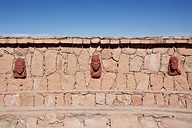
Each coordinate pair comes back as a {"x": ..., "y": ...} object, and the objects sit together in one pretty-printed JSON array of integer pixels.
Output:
[{"x": 134, "y": 76}]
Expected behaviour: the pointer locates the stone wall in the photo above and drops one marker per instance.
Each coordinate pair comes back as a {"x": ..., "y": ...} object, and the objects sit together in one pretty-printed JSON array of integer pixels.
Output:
[{"x": 134, "y": 78}]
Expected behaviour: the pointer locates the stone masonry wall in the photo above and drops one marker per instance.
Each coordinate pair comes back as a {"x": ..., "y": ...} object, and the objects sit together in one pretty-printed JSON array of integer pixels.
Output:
[{"x": 134, "y": 75}]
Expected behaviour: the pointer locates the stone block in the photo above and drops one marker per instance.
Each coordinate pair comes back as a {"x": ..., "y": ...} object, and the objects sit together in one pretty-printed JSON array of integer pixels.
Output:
[
  {"x": 164, "y": 63},
  {"x": 78, "y": 100},
  {"x": 67, "y": 82},
  {"x": 2, "y": 101},
  {"x": 37, "y": 64},
  {"x": 108, "y": 81},
  {"x": 188, "y": 64},
  {"x": 83, "y": 60},
  {"x": 51, "y": 117},
  {"x": 121, "y": 81},
  {"x": 168, "y": 83},
  {"x": 125, "y": 41},
  {"x": 115, "y": 41},
  {"x": 97, "y": 122},
  {"x": 59, "y": 100},
  {"x": 135, "y": 41},
  {"x": 189, "y": 101},
  {"x": 109, "y": 65},
  {"x": 173, "y": 100},
  {"x": 160, "y": 99},
  {"x": 129, "y": 51},
  {"x": 38, "y": 41},
  {"x": 185, "y": 51},
  {"x": 77, "y": 41},
  {"x": 152, "y": 63},
  {"x": 131, "y": 82},
  {"x": 100, "y": 98},
  {"x": 24, "y": 41},
  {"x": 38, "y": 99},
  {"x": 156, "y": 81},
  {"x": 105, "y": 41},
  {"x": 3, "y": 84},
  {"x": 123, "y": 100},
  {"x": 66, "y": 41},
  {"x": 148, "y": 99},
  {"x": 50, "y": 100},
  {"x": 181, "y": 83},
  {"x": 141, "y": 52},
  {"x": 124, "y": 121},
  {"x": 31, "y": 122},
  {"x": 106, "y": 54},
  {"x": 12, "y": 100},
  {"x": 148, "y": 122},
  {"x": 175, "y": 123},
  {"x": 54, "y": 82},
  {"x": 123, "y": 64},
  {"x": 51, "y": 41},
  {"x": 6, "y": 62},
  {"x": 50, "y": 61},
  {"x": 90, "y": 100},
  {"x": 136, "y": 64},
  {"x": 95, "y": 41},
  {"x": 72, "y": 64},
  {"x": 137, "y": 100},
  {"x": 86, "y": 41},
  {"x": 142, "y": 81},
  {"x": 80, "y": 81},
  {"x": 95, "y": 84},
  {"x": 72, "y": 122},
  {"x": 116, "y": 54},
  {"x": 40, "y": 83},
  {"x": 68, "y": 98},
  {"x": 27, "y": 100},
  {"x": 110, "y": 99}
]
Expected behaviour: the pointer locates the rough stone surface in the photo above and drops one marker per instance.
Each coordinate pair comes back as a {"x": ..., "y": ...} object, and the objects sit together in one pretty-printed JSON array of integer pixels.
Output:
[
  {"x": 123, "y": 121},
  {"x": 148, "y": 100},
  {"x": 37, "y": 64},
  {"x": 142, "y": 81},
  {"x": 121, "y": 82},
  {"x": 133, "y": 90},
  {"x": 123, "y": 64},
  {"x": 50, "y": 61},
  {"x": 136, "y": 63},
  {"x": 152, "y": 62},
  {"x": 68, "y": 82},
  {"x": 6, "y": 62},
  {"x": 188, "y": 64},
  {"x": 100, "y": 98},
  {"x": 72, "y": 62},
  {"x": 108, "y": 81},
  {"x": 156, "y": 81},
  {"x": 96, "y": 122},
  {"x": 54, "y": 82}
]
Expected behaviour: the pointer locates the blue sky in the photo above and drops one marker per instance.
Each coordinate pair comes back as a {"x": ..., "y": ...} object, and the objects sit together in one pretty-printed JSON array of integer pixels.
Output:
[{"x": 96, "y": 17}]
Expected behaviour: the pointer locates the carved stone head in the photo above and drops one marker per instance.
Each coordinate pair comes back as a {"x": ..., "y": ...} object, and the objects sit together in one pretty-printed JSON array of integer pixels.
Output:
[
  {"x": 95, "y": 66},
  {"x": 19, "y": 69},
  {"x": 173, "y": 66}
]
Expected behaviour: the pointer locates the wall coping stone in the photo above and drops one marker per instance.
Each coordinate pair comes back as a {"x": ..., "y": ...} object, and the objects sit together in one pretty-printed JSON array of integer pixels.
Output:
[{"x": 114, "y": 40}]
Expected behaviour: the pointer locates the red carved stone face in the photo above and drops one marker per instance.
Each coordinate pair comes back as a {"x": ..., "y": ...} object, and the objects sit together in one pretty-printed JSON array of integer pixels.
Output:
[
  {"x": 20, "y": 68},
  {"x": 173, "y": 66},
  {"x": 95, "y": 62},
  {"x": 95, "y": 65}
]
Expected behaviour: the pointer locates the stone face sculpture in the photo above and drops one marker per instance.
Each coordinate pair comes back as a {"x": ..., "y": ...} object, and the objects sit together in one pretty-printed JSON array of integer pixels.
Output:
[
  {"x": 95, "y": 66},
  {"x": 19, "y": 69},
  {"x": 173, "y": 66}
]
